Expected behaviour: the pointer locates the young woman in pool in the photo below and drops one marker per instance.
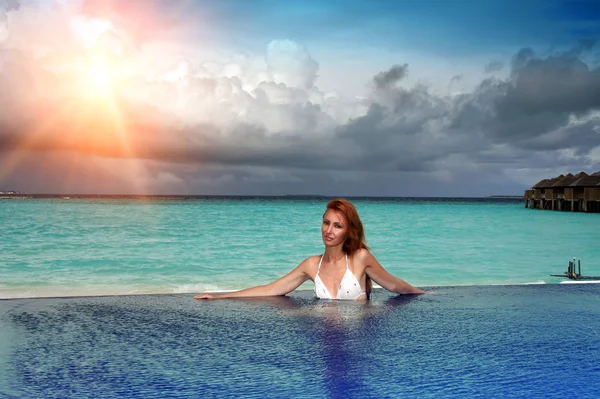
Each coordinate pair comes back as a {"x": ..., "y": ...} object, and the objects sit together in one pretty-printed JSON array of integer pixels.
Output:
[{"x": 345, "y": 269}]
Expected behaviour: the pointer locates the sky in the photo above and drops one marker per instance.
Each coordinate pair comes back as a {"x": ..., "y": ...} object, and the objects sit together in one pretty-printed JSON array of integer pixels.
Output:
[{"x": 338, "y": 98}]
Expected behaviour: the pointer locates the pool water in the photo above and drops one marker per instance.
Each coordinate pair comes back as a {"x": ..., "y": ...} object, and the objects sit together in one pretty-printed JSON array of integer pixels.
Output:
[{"x": 478, "y": 341}]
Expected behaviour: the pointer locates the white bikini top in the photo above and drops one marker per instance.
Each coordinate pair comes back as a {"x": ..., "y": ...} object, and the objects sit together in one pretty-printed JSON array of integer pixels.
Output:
[{"x": 349, "y": 286}]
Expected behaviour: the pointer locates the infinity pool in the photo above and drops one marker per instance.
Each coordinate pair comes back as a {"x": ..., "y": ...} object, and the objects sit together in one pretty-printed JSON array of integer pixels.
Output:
[{"x": 481, "y": 341}]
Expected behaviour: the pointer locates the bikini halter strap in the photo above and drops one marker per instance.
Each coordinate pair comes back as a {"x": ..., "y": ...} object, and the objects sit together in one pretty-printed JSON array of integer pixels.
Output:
[{"x": 321, "y": 261}]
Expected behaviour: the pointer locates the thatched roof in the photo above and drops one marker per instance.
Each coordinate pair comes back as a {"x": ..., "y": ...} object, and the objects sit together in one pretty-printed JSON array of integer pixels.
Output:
[
  {"x": 581, "y": 179},
  {"x": 541, "y": 184},
  {"x": 565, "y": 181},
  {"x": 587, "y": 181},
  {"x": 548, "y": 183},
  {"x": 551, "y": 182}
]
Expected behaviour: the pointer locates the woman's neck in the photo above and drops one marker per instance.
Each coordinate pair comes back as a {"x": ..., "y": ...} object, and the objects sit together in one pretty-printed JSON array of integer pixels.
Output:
[{"x": 333, "y": 254}]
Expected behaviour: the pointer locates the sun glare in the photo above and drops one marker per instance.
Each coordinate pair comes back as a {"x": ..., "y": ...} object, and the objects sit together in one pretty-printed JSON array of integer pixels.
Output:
[
  {"x": 99, "y": 72},
  {"x": 91, "y": 118},
  {"x": 98, "y": 80}
]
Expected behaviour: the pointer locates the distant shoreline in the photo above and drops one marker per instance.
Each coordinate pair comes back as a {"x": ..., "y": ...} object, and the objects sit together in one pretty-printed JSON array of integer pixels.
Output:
[{"x": 198, "y": 197}]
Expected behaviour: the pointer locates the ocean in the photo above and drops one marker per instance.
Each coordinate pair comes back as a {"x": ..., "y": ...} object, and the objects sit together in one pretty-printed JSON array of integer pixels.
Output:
[
  {"x": 97, "y": 301},
  {"x": 110, "y": 246}
]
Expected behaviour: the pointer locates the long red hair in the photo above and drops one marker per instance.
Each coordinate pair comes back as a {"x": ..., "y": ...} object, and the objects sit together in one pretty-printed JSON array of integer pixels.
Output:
[{"x": 355, "y": 234}]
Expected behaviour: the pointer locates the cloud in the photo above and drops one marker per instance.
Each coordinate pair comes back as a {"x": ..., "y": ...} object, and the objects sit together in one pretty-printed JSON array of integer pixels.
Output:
[
  {"x": 259, "y": 120},
  {"x": 456, "y": 78},
  {"x": 143, "y": 20},
  {"x": 538, "y": 101},
  {"x": 280, "y": 125},
  {"x": 391, "y": 76},
  {"x": 11, "y": 5},
  {"x": 493, "y": 66},
  {"x": 559, "y": 84},
  {"x": 544, "y": 105},
  {"x": 291, "y": 64}
]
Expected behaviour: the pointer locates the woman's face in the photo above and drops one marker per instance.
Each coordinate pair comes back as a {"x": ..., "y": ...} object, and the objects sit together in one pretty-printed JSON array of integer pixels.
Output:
[{"x": 334, "y": 228}]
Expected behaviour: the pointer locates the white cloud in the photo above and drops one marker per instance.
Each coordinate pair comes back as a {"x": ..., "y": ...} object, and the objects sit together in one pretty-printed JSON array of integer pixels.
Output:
[
  {"x": 88, "y": 30},
  {"x": 593, "y": 157},
  {"x": 290, "y": 63}
]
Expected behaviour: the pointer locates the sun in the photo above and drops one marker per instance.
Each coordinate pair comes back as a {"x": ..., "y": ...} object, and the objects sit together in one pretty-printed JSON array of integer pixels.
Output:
[
  {"x": 102, "y": 65},
  {"x": 99, "y": 77}
]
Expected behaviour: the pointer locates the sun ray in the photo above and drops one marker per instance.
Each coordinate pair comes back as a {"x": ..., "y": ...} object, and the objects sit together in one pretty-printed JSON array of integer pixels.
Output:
[
  {"x": 33, "y": 138},
  {"x": 123, "y": 136},
  {"x": 91, "y": 121}
]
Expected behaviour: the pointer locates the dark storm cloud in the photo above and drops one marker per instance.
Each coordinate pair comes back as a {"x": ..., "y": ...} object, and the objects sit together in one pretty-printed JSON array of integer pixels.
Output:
[
  {"x": 493, "y": 66},
  {"x": 11, "y": 5},
  {"x": 579, "y": 137},
  {"x": 398, "y": 136},
  {"x": 68, "y": 173},
  {"x": 501, "y": 123},
  {"x": 538, "y": 99},
  {"x": 199, "y": 144},
  {"x": 391, "y": 76},
  {"x": 557, "y": 84}
]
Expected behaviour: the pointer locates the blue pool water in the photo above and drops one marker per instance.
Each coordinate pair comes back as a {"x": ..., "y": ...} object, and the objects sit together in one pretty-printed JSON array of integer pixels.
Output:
[{"x": 472, "y": 342}]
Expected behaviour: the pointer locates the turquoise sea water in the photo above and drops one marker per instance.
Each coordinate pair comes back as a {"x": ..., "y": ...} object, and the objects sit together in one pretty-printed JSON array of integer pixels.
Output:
[{"x": 56, "y": 247}]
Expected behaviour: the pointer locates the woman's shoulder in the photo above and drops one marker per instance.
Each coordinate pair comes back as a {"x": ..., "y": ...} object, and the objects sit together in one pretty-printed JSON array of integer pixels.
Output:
[
  {"x": 362, "y": 254},
  {"x": 309, "y": 265},
  {"x": 312, "y": 261},
  {"x": 360, "y": 259}
]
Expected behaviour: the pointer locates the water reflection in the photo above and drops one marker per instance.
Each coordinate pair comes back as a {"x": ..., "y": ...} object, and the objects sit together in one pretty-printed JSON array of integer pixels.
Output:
[{"x": 344, "y": 334}]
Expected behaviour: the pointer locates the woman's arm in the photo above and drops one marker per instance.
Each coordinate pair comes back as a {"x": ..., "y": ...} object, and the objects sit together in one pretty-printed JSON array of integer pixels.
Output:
[
  {"x": 378, "y": 274},
  {"x": 284, "y": 285}
]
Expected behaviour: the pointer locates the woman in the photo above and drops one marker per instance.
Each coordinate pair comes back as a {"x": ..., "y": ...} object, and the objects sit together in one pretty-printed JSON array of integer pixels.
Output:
[{"x": 345, "y": 269}]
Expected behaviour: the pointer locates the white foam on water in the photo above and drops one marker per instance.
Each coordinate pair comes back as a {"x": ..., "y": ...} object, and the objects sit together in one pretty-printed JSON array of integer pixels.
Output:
[
  {"x": 192, "y": 288},
  {"x": 98, "y": 291},
  {"x": 51, "y": 292}
]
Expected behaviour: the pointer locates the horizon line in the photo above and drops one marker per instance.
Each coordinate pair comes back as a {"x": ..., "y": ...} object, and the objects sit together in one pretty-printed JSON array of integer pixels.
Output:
[{"x": 181, "y": 196}]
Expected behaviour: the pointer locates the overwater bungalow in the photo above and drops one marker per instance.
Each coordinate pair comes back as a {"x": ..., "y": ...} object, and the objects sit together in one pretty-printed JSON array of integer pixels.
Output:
[{"x": 575, "y": 193}]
